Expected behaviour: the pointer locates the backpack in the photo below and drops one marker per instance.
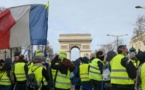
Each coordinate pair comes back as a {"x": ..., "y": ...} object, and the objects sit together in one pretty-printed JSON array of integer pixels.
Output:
[{"x": 31, "y": 82}]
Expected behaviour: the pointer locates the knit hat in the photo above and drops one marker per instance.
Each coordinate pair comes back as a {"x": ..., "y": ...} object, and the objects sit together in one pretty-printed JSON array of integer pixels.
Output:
[
  {"x": 85, "y": 60},
  {"x": 110, "y": 55},
  {"x": 38, "y": 57},
  {"x": 62, "y": 54},
  {"x": 132, "y": 55}
]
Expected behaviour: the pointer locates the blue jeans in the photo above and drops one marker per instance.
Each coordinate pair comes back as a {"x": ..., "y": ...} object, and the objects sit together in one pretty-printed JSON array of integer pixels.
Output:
[{"x": 2, "y": 87}]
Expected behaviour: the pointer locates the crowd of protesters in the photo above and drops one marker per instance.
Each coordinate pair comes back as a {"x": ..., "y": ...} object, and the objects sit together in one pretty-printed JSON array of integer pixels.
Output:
[{"x": 124, "y": 70}]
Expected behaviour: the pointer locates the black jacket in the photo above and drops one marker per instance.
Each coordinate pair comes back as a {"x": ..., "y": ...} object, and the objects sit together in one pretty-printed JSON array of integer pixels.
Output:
[{"x": 131, "y": 69}]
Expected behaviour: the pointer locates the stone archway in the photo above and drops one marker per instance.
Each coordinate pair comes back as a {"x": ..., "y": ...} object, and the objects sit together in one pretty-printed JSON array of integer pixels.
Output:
[
  {"x": 138, "y": 42},
  {"x": 81, "y": 41}
]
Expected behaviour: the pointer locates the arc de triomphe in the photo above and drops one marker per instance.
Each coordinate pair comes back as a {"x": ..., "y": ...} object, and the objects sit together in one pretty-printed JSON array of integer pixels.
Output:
[{"x": 81, "y": 41}]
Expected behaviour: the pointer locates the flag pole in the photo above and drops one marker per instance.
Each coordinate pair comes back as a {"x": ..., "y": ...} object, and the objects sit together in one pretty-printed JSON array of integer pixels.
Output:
[{"x": 26, "y": 49}]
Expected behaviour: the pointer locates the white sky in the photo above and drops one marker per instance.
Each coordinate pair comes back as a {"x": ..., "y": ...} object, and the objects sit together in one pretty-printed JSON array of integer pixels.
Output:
[{"x": 97, "y": 17}]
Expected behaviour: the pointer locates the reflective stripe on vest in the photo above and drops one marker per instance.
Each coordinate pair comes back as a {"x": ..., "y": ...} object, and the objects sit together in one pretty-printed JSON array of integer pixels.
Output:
[
  {"x": 118, "y": 72},
  {"x": 53, "y": 71},
  {"x": 63, "y": 80},
  {"x": 143, "y": 76},
  {"x": 94, "y": 71},
  {"x": 19, "y": 71},
  {"x": 84, "y": 73},
  {"x": 4, "y": 79}
]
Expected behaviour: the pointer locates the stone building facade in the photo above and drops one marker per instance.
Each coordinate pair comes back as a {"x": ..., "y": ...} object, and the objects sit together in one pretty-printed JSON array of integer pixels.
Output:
[
  {"x": 138, "y": 42},
  {"x": 81, "y": 41}
]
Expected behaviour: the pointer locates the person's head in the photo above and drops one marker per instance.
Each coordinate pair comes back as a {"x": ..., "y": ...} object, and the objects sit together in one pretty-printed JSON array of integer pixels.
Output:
[
  {"x": 122, "y": 49},
  {"x": 110, "y": 55},
  {"x": 100, "y": 55},
  {"x": 81, "y": 60},
  {"x": 39, "y": 57},
  {"x": 21, "y": 57},
  {"x": 8, "y": 60},
  {"x": 132, "y": 55},
  {"x": 141, "y": 57},
  {"x": 1, "y": 63},
  {"x": 62, "y": 54},
  {"x": 85, "y": 60}
]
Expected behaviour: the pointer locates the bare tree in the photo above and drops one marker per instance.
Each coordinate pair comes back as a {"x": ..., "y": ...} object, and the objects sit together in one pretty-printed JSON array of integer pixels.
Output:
[
  {"x": 49, "y": 50},
  {"x": 139, "y": 26}
]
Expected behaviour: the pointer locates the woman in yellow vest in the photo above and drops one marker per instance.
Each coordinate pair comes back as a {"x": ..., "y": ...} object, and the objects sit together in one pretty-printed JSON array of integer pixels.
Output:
[
  {"x": 96, "y": 70},
  {"x": 6, "y": 79},
  {"x": 63, "y": 67},
  {"x": 140, "y": 78},
  {"x": 84, "y": 74}
]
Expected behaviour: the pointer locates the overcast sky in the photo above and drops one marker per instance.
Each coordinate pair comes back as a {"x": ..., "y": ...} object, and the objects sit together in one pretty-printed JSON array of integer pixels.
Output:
[{"x": 97, "y": 17}]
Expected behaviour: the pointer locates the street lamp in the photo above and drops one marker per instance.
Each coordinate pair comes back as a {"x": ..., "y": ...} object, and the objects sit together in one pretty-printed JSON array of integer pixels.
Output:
[
  {"x": 5, "y": 53},
  {"x": 117, "y": 36},
  {"x": 139, "y": 7}
]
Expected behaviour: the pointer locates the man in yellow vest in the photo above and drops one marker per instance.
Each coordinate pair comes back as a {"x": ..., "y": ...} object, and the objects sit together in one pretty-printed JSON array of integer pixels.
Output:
[
  {"x": 140, "y": 78},
  {"x": 84, "y": 74},
  {"x": 122, "y": 70},
  {"x": 63, "y": 67},
  {"x": 20, "y": 73},
  {"x": 41, "y": 74},
  {"x": 95, "y": 71}
]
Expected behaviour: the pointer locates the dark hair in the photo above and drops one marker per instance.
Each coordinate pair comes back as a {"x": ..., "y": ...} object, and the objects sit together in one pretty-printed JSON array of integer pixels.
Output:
[
  {"x": 7, "y": 64},
  {"x": 99, "y": 53},
  {"x": 21, "y": 57},
  {"x": 110, "y": 55},
  {"x": 121, "y": 48}
]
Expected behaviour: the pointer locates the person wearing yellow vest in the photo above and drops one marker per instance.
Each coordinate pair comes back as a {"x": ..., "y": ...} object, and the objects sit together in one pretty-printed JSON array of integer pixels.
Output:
[
  {"x": 84, "y": 74},
  {"x": 134, "y": 60},
  {"x": 6, "y": 76},
  {"x": 63, "y": 67},
  {"x": 122, "y": 70},
  {"x": 106, "y": 69},
  {"x": 140, "y": 78},
  {"x": 20, "y": 73},
  {"x": 95, "y": 71},
  {"x": 41, "y": 73}
]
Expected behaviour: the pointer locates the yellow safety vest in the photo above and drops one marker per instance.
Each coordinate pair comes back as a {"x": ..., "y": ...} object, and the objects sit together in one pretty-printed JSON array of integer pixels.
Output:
[
  {"x": 53, "y": 71},
  {"x": 94, "y": 71},
  {"x": 84, "y": 72},
  {"x": 38, "y": 75},
  {"x": 136, "y": 64},
  {"x": 143, "y": 76},
  {"x": 20, "y": 71},
  {"x": 4, "y": 80},
  {"x": 118, "y": 72},
  {"x": 63, "y": 80},
  {"x": 30, "y": 65}
]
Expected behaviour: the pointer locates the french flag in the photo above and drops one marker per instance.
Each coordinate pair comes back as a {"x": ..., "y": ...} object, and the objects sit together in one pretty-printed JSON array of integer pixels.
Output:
[{"x": 23, "y": 25}]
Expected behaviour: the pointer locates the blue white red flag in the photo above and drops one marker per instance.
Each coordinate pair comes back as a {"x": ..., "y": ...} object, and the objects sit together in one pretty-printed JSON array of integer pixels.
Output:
[{"x": 23, "y": 25}]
